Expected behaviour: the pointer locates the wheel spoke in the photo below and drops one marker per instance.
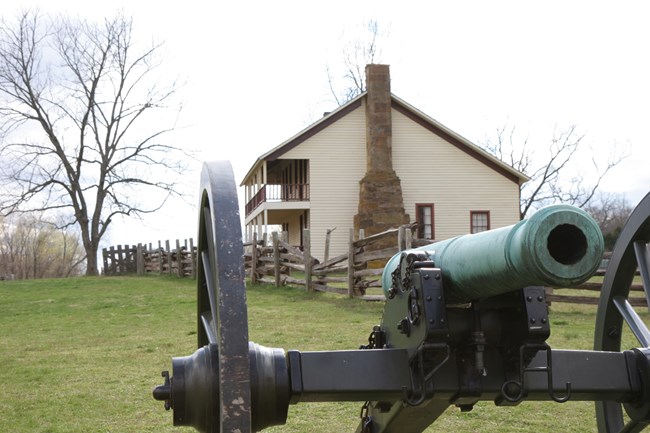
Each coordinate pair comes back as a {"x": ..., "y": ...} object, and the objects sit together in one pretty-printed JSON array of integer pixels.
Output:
[
  {"x": 208, "y": 258},
  {"x": 609, "y": 416},
  {"x": 209, "y": 285},
  {"x": 643, "y": 260},
  {"x": 638, "y": 327},
  {"x": 634, "y": 427},
  {"x": 209, "y": 327}
]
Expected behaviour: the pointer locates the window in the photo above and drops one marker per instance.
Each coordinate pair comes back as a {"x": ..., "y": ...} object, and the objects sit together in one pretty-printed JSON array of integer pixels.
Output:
[
  {"x": 479, "y": 221},
  {"x": 424, "y": 220}
]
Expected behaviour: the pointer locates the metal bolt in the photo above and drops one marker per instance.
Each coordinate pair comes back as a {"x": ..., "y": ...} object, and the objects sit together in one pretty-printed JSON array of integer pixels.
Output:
[
  {"x": 404, "y": 327},
  {"x": 437, "y": 276},
  {"x": 529, "y": 298},
  {"x": 426, "y": 276},
  {"x": 532, "y": 320},
  {"x": 540, "y": 298},
  {"x": 429, "y": 298}
]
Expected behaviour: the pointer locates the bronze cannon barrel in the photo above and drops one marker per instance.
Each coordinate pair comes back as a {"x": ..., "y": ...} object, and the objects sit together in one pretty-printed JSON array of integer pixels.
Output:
[{"x": 558, "y": 246}]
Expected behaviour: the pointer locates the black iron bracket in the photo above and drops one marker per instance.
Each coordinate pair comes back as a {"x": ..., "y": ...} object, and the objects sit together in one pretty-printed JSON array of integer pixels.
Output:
[{"x": 515, "y": 390}]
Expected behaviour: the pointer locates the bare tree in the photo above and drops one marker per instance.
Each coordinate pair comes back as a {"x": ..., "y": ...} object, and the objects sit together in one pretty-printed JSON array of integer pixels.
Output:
[
  {"x": 31, "y": 247},
  {"x": 77, "y": 105},
  {"x": 554, "y": 177},
  {"x": 357, "y": 53},
  {"x": 611, "y": 212}
]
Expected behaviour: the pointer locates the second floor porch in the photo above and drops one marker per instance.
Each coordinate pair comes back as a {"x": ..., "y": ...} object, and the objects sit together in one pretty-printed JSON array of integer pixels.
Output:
[
  {"x": 277, "y": 184},
  {"x": 278, "y": 193}
]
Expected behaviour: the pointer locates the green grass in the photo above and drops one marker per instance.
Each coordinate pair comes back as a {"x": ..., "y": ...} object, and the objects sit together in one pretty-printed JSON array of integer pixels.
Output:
[{"x": 82, "y": 355}]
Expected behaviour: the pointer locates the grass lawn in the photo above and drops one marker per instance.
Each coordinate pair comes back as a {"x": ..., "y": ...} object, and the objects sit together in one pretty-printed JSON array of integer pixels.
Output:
[{"x": 82, "y": 355}]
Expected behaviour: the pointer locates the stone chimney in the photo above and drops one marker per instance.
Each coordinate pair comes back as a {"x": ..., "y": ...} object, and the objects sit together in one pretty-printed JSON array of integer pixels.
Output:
[{"x": 380, "y": 192}]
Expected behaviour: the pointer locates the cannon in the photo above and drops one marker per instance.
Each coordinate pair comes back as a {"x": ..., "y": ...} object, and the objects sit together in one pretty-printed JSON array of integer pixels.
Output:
[{"x": 465, "y": 320}]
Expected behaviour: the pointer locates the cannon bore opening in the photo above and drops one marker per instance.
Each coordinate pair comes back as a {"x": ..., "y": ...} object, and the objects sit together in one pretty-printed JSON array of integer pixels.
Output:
[{"x": 567, "y": 244}]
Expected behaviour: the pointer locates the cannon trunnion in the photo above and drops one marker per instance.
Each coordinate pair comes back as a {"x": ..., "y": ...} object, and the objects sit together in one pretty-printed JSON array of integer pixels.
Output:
[{"x": 465, "y": 320}]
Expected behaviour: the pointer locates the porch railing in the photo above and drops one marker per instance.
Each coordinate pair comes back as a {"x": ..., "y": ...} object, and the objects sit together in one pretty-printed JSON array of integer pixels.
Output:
[{"x": 278, "y": 193}]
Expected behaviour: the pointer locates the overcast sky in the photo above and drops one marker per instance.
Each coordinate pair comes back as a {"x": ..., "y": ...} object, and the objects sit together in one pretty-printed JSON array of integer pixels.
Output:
[{"x": 255, "y": 74}]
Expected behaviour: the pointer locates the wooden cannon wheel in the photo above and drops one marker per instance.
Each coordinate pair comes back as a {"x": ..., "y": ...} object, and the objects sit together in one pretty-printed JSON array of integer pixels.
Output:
[
  {"x": 615, "y": 311},
  {"x": 221, "y": 294},
  {"x": 215, "y": 388},
  {"x": 210, "y": 389}
]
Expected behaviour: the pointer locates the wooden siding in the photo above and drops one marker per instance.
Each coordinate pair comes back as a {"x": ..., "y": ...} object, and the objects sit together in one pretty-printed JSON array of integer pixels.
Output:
[
  {"x": 431, "y": 170},
  {"x": 434, "y": 171},
  {"x": 294, "y": 228},
  {"x": 337, "y": 161}
]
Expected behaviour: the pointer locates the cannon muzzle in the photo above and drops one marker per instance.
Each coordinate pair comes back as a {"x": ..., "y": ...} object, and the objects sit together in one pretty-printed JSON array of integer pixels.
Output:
[{"x": 559, "y": 246}]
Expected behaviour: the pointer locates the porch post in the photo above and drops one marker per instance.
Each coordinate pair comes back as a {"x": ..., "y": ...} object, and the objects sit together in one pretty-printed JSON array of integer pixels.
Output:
[{"x": 266, "y": 221}]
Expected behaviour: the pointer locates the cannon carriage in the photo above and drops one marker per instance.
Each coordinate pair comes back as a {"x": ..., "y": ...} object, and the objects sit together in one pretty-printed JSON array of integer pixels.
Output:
[{"x": 465, "y": 320}]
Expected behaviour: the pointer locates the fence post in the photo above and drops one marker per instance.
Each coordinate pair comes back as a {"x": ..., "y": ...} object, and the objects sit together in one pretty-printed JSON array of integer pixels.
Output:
[
  {"x": 285, "y": 239},
  {"x": 351, "y": 265},
  {"x": 146, "y": 259},
  {"x": 160, "y": 258},
  {"x": 129, "y": 258},
  {"x": 408, "y": 238},
  {"x": 113, "y": 264},
  {"x": 328, "y": 235},
  {"x": 276, "y": 258},
  {"x": 139, "y": 260},
  {"x": 169, "y": 257},
  {"x": 120, "y": 260},
  {"x": 192, "y": 258},
  {"x": 129, "y": 262},
  {"x": 179, "y": 258},
  {"x": 308, "y": 260},
  {"x": 116, "y": 259},
  {"x": 105, "y": 260},
  {"x": 254, "y": 259}
]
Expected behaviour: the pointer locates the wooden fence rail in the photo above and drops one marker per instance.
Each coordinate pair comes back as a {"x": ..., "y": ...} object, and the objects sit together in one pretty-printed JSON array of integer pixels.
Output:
[
  {"x": 637, "y": 297},
  {"x": 142, "y": 259},
  {"x": 361, "y": 267},
  {"x": 280, "y": 263},
  {"x": 348, "y": 274}
]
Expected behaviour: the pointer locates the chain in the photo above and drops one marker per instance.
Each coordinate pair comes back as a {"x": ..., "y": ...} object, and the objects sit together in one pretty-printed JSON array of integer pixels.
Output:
[
  {"x": 406, "y": 281},
  {"x": 394, "y": 282},
  {"x": 372, "y": 342},
  {"x": 366, "y": 420}
]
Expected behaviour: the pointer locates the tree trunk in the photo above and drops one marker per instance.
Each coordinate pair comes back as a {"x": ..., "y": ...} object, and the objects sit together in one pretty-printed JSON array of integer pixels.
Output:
[{"x": 91, "y": 261}]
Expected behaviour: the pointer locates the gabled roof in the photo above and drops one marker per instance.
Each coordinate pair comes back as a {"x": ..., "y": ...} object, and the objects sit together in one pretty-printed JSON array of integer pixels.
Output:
[
  {"x": 407, "y": 110},
  {"x": 457, "y": 140}
]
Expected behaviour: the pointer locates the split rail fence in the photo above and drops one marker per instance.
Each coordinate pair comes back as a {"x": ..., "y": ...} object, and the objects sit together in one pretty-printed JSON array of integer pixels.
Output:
[
  {"x": 279, "y": 263},
  {"x": 591, "y": 294},
  {"x": 142, "y": 259},
  {"x": 274, "y": 263},
  {"x": 348, "y": 274}
]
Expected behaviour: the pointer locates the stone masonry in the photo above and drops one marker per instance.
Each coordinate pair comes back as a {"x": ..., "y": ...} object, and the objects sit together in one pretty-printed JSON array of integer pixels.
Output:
[{"x": 380, "y": 194}]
